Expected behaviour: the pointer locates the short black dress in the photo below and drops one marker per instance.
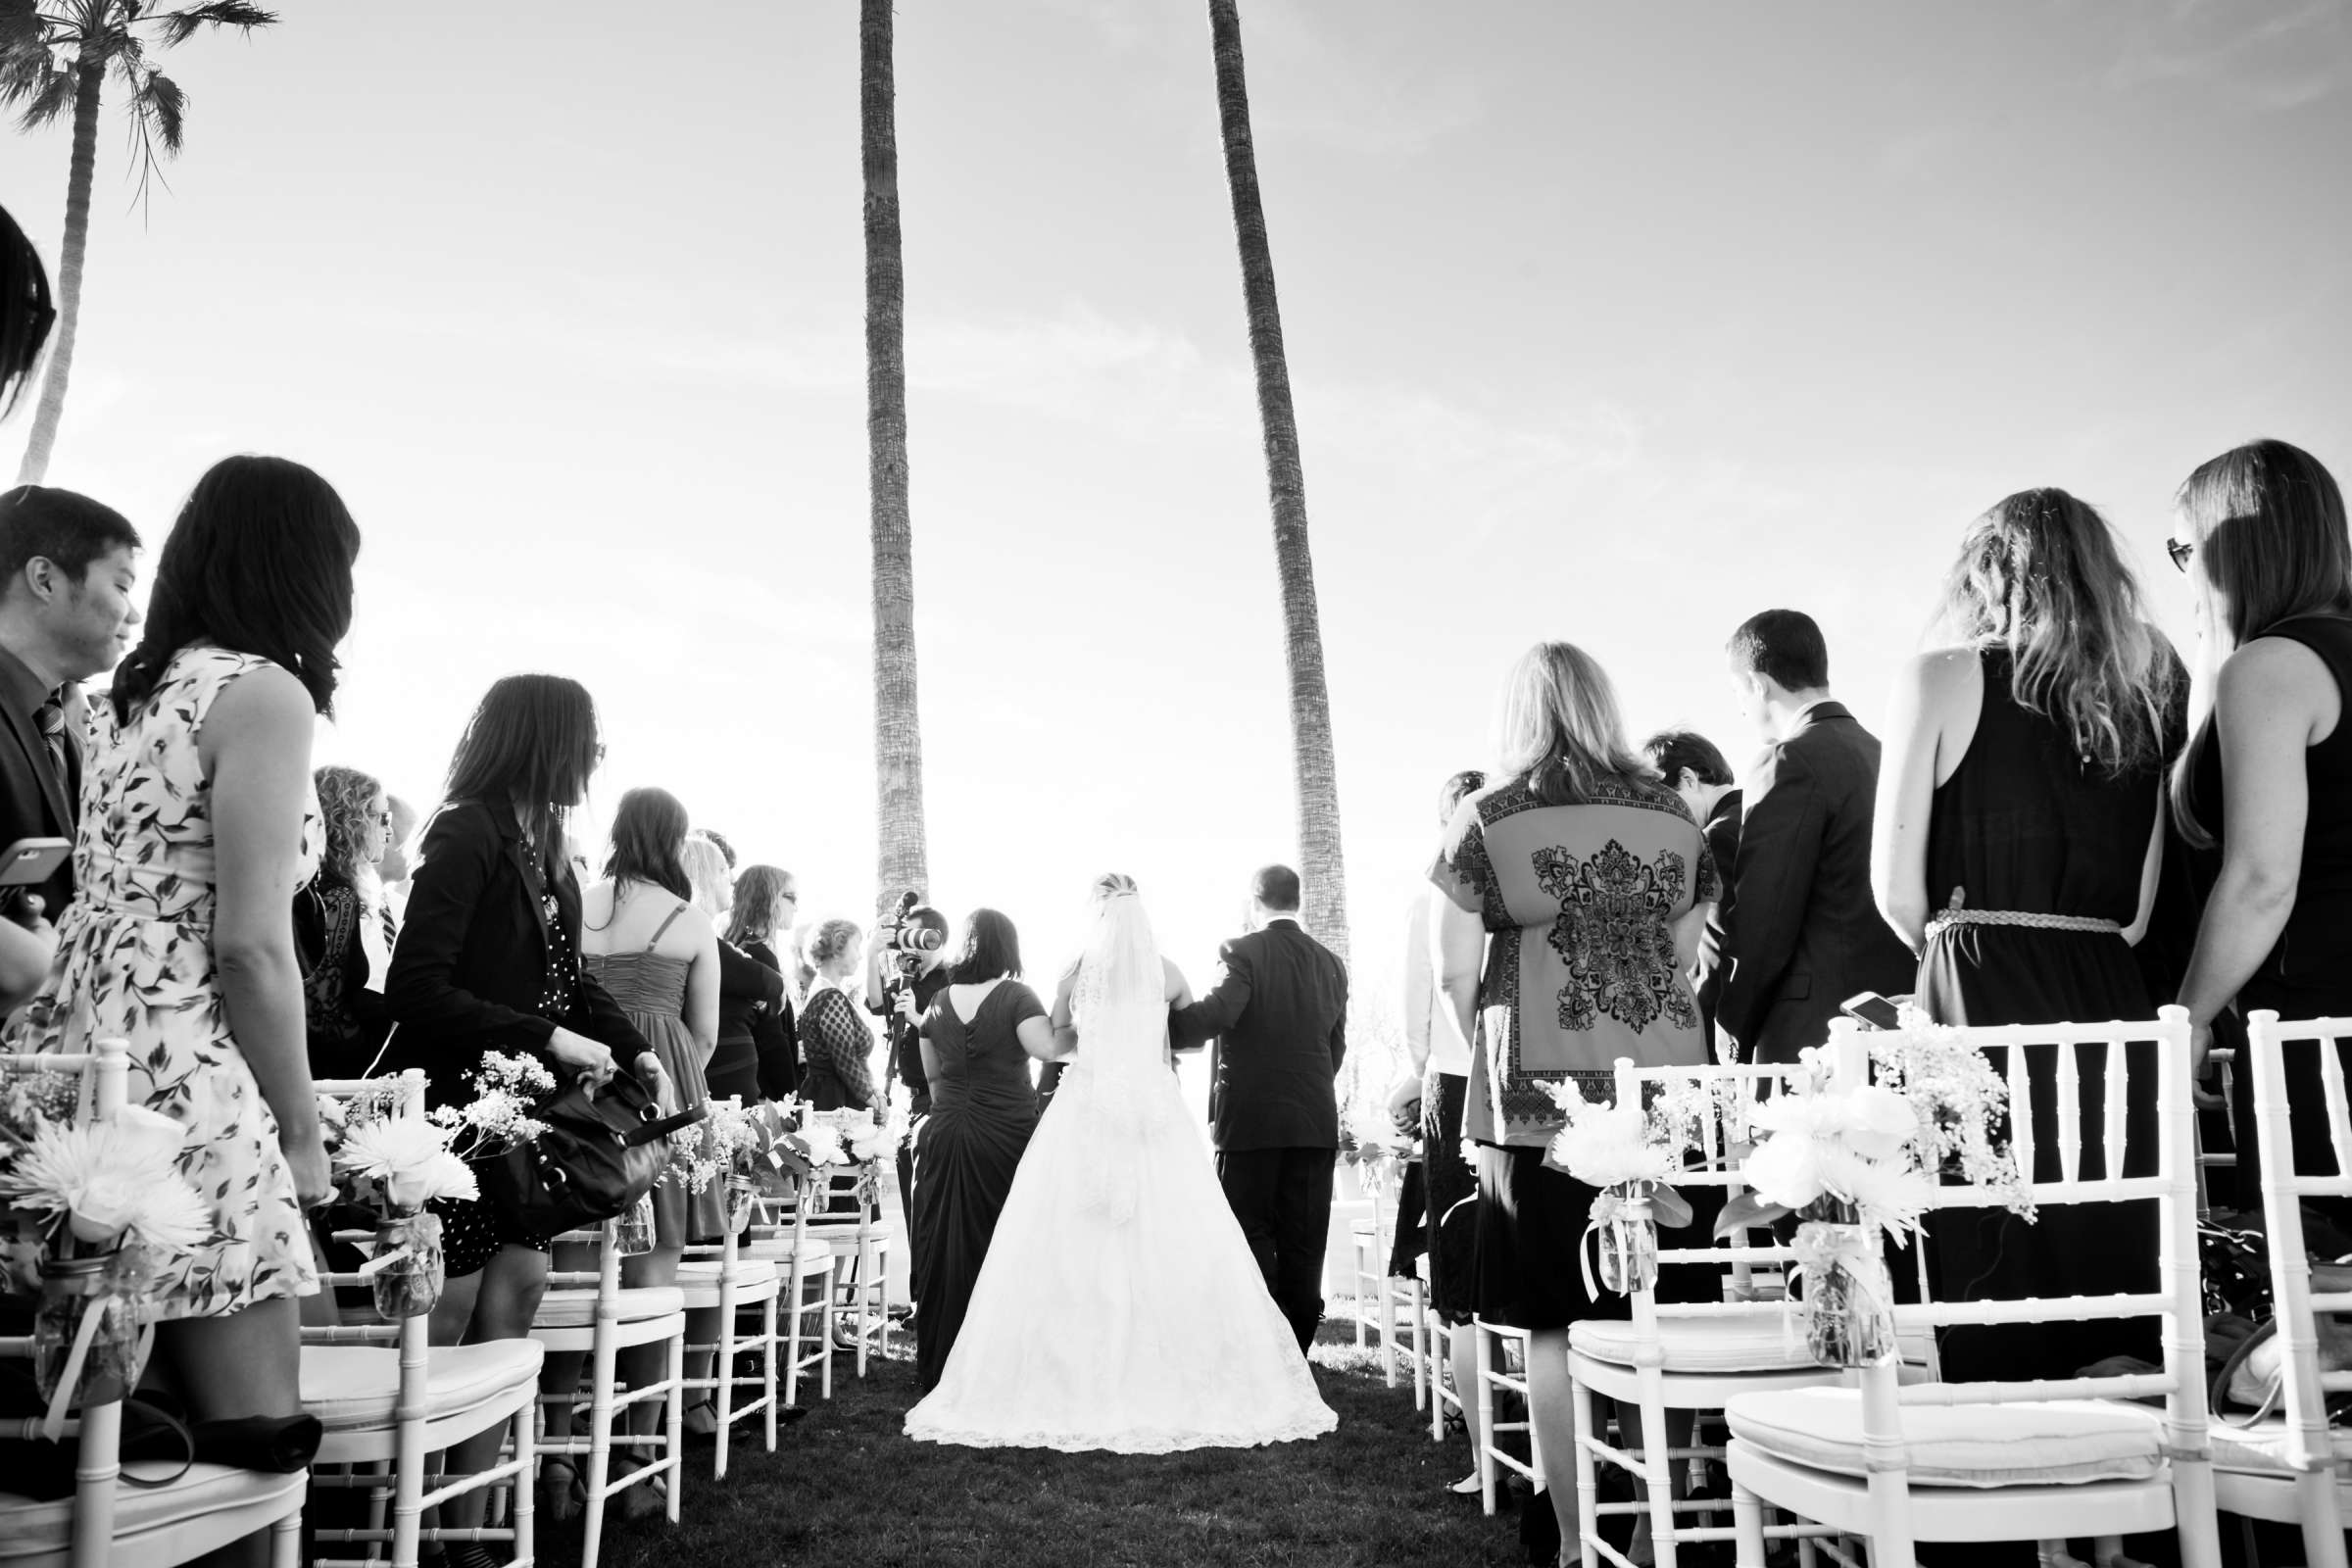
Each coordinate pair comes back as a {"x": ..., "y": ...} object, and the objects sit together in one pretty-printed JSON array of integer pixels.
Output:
[{"x": 2027, "y": 826}]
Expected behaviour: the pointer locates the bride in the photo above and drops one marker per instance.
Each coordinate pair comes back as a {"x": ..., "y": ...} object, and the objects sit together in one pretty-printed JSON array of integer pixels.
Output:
[{"x": 1119, "y": 1307}]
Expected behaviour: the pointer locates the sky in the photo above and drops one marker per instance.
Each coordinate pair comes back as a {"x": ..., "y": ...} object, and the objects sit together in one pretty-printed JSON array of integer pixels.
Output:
[{"x": 1607, "y": 323}]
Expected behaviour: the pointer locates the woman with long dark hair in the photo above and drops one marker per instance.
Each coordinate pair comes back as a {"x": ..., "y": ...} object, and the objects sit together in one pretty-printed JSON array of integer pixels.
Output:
[
  {"x": 345, "y": 1017},
  {"x": 757, "y": 1057},
  {"x": 489, "y": 960},
  {"x": 202, "y": 822},
  {"x": 977, "y": 1043},
  {"x": 2016, "y": 847},
  {"x": 2266, "y": 784}
]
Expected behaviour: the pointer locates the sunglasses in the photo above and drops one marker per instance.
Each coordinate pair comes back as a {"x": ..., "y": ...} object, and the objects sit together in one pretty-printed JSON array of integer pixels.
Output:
[{"x": 2181, "y": 550}]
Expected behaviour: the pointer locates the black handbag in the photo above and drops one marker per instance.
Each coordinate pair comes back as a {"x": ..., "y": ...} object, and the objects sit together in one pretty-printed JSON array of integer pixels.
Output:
[{"x": 599, "y": 1155}]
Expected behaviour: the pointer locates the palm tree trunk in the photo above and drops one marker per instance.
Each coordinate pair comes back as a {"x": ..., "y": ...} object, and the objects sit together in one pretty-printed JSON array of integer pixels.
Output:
[
  {"x": 89, "y": 82},
  {"x": 897, "y": 728},
  {"x": 1322, "y": 864}
]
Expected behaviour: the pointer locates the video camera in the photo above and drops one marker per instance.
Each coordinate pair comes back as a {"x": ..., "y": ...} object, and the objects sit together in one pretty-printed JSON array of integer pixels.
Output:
[{"x": 913, "y": 932}]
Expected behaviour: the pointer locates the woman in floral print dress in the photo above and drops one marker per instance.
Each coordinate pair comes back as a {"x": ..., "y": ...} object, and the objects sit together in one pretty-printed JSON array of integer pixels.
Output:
[{"x": 199, "y": 821}]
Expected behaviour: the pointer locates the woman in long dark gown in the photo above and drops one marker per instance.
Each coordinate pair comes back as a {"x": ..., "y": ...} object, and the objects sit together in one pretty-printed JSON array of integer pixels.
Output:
[
  {"x": 2018, "y": 842},
  {"x": 977, "y": 1040}
]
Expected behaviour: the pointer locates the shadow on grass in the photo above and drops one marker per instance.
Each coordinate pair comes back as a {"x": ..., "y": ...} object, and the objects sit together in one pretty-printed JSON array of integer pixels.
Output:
[{"x": 843, "y": 1489}]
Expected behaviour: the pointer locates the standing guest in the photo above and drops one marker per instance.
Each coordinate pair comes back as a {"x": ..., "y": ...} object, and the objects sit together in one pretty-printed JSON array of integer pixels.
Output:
[
  {"x": 747, "y": 988},
  {"x": 392, "y": 889},
  {"x": 757, "y": 1057},
  {"x": 1695, "y": 771},
  {"x": 1801, "y": 932},
  {"x": 2266, "y": 781},
  {"x": 27, "y": 314},
  {"x": 335, "y": 917},
  {"x": 2015, "y": 848},
  {"x": 647, "y": 939},
  {"x": 1571, "y": 982},
  {"x": 67, "y": 568},
  {"x": 1279, "y": 1014},
  {"x": 203, "y": 822},
  {"x": 835, "y": 1041},
  {"x": 977, "y": 1042},
  {"x": 1432, "y": 1094},
  {"x": 488, "y": 960}
]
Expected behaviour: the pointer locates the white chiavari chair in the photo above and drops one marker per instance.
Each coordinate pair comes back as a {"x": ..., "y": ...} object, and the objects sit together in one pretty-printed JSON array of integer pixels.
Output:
[
  {"x": 592, "y": 1314},
  {"x": 106, "y": 1523},
  {"x": 1682, "y": 1357},
  {"x": 838, "y": 1209},
  {"x": 1381, "y": 1302},
  {"x": 2026, "y": 1460},
  {"x": 385, "y": 1398},
  {"x": 2296, "y": 1467},
  {"x": 722, "y": 1281},
  {"x": 780, "y": 1236},
  {"x": 1495, "y": 1376}
]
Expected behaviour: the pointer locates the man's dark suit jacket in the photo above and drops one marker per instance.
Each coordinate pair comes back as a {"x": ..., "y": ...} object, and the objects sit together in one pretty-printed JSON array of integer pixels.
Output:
[
  {"x": 35, "y": 802},
  {"x": 1280, "y": 1019},
  {"x": 1723, "y": 843},
  {"x": 471, "y": 967},
  {"x": 1803, "y": 932}
]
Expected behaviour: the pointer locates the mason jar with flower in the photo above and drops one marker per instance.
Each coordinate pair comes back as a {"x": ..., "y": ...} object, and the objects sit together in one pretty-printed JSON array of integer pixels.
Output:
[{"x": 1631, "y": 1154}]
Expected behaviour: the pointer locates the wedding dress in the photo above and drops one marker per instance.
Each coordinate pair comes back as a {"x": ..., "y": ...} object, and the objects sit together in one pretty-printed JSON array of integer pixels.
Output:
[{"x": 1119, "y": 1308}]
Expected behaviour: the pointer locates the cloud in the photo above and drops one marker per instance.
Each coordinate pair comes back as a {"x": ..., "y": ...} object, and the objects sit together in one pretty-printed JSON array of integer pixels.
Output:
[{"x": 2263, "y": 60}]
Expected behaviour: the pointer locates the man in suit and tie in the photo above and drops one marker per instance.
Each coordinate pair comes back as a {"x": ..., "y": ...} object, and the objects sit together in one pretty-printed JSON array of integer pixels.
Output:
[
  {"x": 67, "y": 568},
  {"x": 1697, "y": 771},
  {"x": 1279, "y": 1014},
  {"x": 1802, "y": 932}
]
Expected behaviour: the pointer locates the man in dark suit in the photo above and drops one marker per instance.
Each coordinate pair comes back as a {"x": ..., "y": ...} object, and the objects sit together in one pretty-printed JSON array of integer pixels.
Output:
[
  {"x": 1802, "y": 932},
  {"x": 1279, "y": 1014},
  {"x": 1697, "y": 771},
  {"x": 67, "y": 568}
]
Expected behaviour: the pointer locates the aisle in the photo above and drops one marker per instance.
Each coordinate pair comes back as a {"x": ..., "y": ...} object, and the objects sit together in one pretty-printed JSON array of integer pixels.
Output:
[{"x": 844, "y": 1490}]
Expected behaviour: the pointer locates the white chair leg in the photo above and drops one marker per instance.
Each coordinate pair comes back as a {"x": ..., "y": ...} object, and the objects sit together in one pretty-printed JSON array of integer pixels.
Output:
[
  {"x": 524, "y": 1482},
  {"x": 1587, "y": 1478},
  {"x": 1420, "y": 1318},
  {"x": 768, "y": 1366},
  {"x": 1482, "y": 1430},
  {"x": 722, "y": 1373},
  {"x": 1747, "y": 1518},
  {"x": 599, "y": 1450},
  {"x": 285, "y": 1542},
  {"x": 677, "y": 1421}
]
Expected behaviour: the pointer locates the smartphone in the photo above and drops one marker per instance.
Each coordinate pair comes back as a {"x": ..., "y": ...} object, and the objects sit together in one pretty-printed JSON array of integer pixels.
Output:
[
  {"x": 1873, "y": 1010},
  {"x": 29, "y": 862}
]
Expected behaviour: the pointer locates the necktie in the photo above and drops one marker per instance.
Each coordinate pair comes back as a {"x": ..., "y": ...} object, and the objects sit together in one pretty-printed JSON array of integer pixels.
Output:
[{"x": 50, "y": 719}]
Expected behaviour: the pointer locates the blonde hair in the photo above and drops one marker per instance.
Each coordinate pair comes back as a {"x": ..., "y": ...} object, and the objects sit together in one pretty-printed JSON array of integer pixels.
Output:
[
  {"x": 1560, "y": 727},
  {"x": 2039, "y": 577},
  {"x": 705, "y": 865}
]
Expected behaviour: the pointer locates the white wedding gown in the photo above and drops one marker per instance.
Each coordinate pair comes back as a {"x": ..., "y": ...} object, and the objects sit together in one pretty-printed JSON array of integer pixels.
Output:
[{"x": 1119, "y": 1308}]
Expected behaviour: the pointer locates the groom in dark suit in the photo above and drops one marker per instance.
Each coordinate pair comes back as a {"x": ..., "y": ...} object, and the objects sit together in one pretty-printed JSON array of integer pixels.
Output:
[{"x": 1279, "y": 1014}]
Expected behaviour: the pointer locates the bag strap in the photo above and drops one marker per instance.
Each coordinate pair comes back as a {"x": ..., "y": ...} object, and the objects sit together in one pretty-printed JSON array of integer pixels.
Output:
[
  {"x": 171, "y": 1424},
  {"x": 2218, "y": 1397},
  {"x": 662, "y": 1126}
]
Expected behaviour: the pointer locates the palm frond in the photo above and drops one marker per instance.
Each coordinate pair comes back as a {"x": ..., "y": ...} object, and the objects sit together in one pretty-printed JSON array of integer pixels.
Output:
[
  {"x": 161, "y": 102},
  {"x": 40, "y": 92},
  {"x": 23, "y": 27},
  {"x": 178, "y": 26}
]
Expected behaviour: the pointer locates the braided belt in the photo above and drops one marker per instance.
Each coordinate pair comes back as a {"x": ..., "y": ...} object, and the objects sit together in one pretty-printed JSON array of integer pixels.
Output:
[{"x": 1946, "y": 920}]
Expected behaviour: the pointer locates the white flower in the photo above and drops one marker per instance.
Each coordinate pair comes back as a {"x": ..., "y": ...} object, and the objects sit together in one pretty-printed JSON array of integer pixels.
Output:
[
  {"x": 1605, "y": 1146},
  {"x": 1785, "y": 1169},
  {"x": 1879, "y": 1121},
  {"x": 824, "y": 1145},
  {"x": 110, "y": 1177},
  {"x": 411, "y": 1158}
]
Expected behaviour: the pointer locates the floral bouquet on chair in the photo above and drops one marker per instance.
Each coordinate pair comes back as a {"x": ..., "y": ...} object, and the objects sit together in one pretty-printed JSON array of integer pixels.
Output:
[
  {"x": 725, "y": 1145},
  {"x": 102, "y": 1212},
  {"x": 392, "y": 1167},
  {"x": 1631, "y": 1152}
]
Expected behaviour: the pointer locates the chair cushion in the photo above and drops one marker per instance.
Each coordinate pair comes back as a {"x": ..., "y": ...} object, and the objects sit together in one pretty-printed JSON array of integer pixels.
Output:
[
  {"x": 353, "y": 1388},
  {"x": 576, "y": 1309},
  {"x": 705, "y": 1275},
  {"x": 31, "y": 1531},
  {"x": 2058, "y": 1442},
  {"x": 1745, "y": 1342}
]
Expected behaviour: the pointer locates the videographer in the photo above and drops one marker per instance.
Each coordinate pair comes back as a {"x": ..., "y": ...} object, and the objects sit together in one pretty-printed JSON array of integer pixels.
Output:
[{"x": 909, "y": 968}]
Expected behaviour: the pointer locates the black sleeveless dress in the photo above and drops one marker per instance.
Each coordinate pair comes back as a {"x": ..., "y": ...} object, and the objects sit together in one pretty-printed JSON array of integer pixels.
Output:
[
  {"x": 983, "y": 1110},
  {"x": 2308, "y": 974},
  {"x": 2027, "y": 826}
]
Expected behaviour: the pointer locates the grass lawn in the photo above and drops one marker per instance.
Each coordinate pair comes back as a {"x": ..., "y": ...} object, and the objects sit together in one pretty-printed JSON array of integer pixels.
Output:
[{"x": 843, "y": 1489}]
